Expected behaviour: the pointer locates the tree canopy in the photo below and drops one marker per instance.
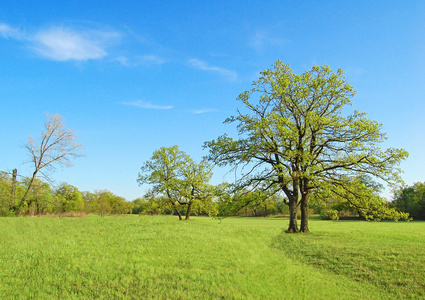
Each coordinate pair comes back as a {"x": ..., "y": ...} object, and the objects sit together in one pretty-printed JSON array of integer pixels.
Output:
[
  {"x": 174, "y": 175},
  {"x": 295, "y": 138}
]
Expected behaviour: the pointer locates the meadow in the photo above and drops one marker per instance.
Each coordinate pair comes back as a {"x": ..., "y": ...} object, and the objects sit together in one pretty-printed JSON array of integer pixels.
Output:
[{"x": 159, "y": 257}]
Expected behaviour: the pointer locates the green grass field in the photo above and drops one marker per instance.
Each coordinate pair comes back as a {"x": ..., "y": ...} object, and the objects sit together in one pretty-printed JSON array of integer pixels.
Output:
[{"x": 119, "y": 257}]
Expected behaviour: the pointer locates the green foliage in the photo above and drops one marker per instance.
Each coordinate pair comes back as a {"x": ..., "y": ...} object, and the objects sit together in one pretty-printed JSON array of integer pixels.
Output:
[
  {"x": 41, "y": 199},
  {"x": 411, "y": 200},
  {"x": 5, "y": 193},
  {"x": 183, "y": 182},
  {"x": 131, "y": 257},
  {"x": 139, "y": 205},
  {"x": 357, "y": 196},
  {"x": 69, "y": 198},
  {"x": 332, "y": 214},
  {"x": 255, "y": 203},
  {"x": 104, "y": 202},
  {"x": 295, "y": 137},
  {"x": 157, "y": 206}
]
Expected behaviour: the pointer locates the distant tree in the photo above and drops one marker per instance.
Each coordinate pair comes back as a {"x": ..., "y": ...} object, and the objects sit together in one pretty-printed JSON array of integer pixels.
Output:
[
  {"x": 118, "y": 204},
  {"x": 90, "y": 201},
  {"x": 295, "y": 138},
  {"x": 103, "y": 206},
  {"x": 174, "y": 175},
  {"x": 363, "y": 200},
  {"x": 411, "y": 200},
  {"x": 69, "y": 199},
  {"x": 105, "y": 202},
  {"x": 138, "y": 205},
  {"x": 5, "y": 194},
  {"x": 224, "y": 199},
  {"x": 56, "y": 146},
  {"x": 40, "y": 199},
  {"x": 158, "y": 205}
]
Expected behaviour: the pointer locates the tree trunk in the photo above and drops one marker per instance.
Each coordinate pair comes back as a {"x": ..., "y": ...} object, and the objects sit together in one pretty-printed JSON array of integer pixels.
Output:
[
  {"x": 179, "y": 213},
  {"x": 37, "y": 207},
  {"x": 12, "y": 194},
  {"x": 24, "y": 198},
  {"x": 304, "y": 213},
  {"x": 189, "y": 206},
  {"x": 177, "y": 210},
  {"x": 293, "y": 209},
  {"x": 174, "y": 205}
]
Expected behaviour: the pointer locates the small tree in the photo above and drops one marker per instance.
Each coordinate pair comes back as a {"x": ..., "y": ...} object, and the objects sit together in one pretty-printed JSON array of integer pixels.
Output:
[
  {"x": 174, "y": 175},
  {"x": 56, "y": 146},
  {"x": 295, "y": 138}
]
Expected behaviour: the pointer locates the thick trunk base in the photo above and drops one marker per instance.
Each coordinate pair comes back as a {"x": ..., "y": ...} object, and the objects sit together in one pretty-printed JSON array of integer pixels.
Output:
[
  {"x": 293, "y": 224},
  {"x": 304, "y": 213}
]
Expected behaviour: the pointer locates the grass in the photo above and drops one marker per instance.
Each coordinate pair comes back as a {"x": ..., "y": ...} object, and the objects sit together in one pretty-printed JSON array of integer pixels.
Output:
[{"x": 131, "y": 257}]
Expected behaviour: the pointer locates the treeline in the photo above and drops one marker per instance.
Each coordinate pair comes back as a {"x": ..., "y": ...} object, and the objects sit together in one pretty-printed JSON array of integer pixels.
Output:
[
  {"x": 247, "y": 204},
  {"x": 411, "y": 200},
  {"x": 68, "y": 200},
  {"x": 65, "y": 199}
]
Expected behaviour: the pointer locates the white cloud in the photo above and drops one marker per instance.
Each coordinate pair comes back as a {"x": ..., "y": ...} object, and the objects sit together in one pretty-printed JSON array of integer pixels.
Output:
[
  {"x": 146, "y": 105},
  {"x": 66, "y": 43},
  {"x": 8, "y": 32},
  {"x": 63, "y": 44},
  {"x": 201, "y": 65},
  {"x": 203, "y": 111}
]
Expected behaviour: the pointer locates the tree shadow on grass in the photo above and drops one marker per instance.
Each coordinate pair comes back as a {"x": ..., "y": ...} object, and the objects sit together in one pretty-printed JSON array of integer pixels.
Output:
[{"x": 396, "y": 269}]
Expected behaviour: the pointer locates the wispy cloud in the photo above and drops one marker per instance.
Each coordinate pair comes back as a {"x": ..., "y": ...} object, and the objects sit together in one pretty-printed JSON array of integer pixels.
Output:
[
  {"x": 76, "y": 43},
  {"x": 8, "y": 32},
  {"x": 146, "y": 105},
  {"x": 140, "y": 60},
  {"x": 64, "y": 44},
  {"x": 262, "y": 39},
  {"x": 203, "y": 111},
  {"x": 204, "y": 66}
]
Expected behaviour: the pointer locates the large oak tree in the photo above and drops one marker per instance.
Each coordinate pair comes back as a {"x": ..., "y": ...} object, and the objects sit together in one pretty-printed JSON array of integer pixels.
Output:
[{"x": 295, "y": 137}]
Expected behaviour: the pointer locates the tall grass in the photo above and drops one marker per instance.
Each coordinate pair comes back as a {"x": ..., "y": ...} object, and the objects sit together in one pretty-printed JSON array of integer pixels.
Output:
[{"x": 239, "y": 258}]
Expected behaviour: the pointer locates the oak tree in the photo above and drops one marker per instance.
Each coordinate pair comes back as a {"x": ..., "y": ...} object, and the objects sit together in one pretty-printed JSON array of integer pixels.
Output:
[
  {"x": 295, "y": 137},
  {"x": 175, "y": 175}
]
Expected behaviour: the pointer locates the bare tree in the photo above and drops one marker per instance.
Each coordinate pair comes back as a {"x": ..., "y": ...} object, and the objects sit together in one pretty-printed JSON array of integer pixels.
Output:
[{"x": 56, "y": 147}]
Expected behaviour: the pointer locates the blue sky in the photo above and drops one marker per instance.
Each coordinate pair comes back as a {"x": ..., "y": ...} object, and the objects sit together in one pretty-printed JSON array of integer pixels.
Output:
[{"x": 132, "y": 76}]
